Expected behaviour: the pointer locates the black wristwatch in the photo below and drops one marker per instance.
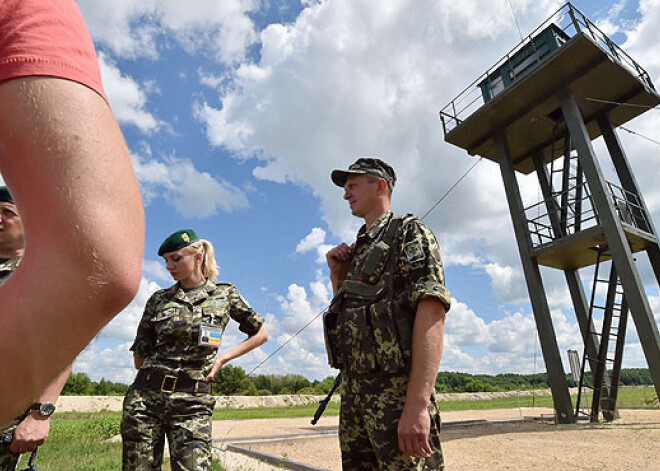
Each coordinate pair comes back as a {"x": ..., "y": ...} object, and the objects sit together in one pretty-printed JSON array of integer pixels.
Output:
[{"x": 45, "y": 409}]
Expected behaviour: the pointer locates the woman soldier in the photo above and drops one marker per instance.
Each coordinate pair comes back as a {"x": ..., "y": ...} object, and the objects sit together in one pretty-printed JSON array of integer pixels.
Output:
[{"x": 176, "y": 354}]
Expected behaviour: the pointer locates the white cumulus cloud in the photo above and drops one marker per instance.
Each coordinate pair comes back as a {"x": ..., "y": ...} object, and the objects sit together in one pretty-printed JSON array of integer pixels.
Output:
[
  {"x": 130, "y": 29},
  {"x": 111, "y": 363},
  {"x": 127, "y": 99},
  {"x": 314, "y": 241},
  {"x": 192, "y": 192}
]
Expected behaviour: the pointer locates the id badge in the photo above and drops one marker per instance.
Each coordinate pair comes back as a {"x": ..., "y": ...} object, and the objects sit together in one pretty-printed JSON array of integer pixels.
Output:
[{"x": 209, "y": 336}]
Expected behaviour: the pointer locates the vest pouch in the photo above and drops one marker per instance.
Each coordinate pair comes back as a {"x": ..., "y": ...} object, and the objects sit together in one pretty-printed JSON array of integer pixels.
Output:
[
  {"x": 358, "y": 341},
  {"x": 389, "y": 353},
  {"x": 374, "y": 263},
  {"x": 332, "y": 336},
  {"x": 362, "y": 293}
]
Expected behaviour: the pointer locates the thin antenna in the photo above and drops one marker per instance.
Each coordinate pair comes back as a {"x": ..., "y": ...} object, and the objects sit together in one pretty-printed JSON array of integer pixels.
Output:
[{"x": 515, "y": 18}]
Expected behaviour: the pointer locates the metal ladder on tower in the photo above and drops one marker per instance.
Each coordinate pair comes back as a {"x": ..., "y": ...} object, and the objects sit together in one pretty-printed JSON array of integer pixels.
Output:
[
  {"x": 569, "y": 196},
  {"x": 615, "y": 317}
]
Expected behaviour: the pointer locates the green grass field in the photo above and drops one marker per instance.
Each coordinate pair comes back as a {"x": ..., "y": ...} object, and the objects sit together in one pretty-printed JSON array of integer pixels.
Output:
[{"x": 79, "y": 441}]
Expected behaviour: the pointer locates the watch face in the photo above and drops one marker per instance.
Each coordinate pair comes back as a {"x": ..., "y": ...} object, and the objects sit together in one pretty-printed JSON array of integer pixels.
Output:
[{"x": 46, "y": 408}]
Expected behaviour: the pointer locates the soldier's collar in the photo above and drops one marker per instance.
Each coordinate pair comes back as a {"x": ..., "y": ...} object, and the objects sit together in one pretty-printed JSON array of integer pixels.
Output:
[
  {"x": 210, "y": 286},
  {"x": 377, "y": 227},
  {"x": 177, "y": 292}
]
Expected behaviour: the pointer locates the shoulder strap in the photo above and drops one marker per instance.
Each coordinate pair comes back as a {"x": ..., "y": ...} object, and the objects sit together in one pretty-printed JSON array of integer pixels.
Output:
[
  {"x": 392, "y": 230},
  {"x": 390, "y": 236},
  {"x": 404, "y": 320},
  {"x": 383, "y": 245}
]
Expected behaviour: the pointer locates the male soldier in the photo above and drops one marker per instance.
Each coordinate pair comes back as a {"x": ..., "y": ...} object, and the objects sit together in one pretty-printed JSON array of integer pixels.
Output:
[
  {"x": 30, "y": 429},
  {"x": 384, "y": 329}
]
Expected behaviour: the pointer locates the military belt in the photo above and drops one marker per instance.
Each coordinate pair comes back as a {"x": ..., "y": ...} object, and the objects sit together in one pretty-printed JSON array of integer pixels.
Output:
[{"x": 162, "y": 382}]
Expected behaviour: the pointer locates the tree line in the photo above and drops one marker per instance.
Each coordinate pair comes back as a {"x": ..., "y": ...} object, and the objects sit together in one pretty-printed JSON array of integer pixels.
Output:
[
  {"x": 449, "y": 382},
  {"x": 233, "y": 381}
]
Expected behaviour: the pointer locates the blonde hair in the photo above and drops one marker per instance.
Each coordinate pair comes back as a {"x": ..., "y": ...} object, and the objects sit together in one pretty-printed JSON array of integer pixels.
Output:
[{"x": 210, "y": 267}]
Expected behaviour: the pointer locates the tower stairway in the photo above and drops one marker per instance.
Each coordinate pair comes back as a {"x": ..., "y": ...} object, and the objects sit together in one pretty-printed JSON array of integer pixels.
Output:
[{"x": 607, "y": 374}]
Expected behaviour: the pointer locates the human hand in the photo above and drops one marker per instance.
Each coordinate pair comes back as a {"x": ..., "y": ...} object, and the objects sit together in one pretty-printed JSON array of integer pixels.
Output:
[
  {"x": 414, "y": 431},
  {"x": 217, "y": 364},
  {"x": 337, "y": 256},
  {"x": 30, "y": 433}
]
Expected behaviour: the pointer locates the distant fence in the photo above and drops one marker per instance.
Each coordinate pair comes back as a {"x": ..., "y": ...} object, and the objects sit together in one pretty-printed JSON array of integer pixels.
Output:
[{"x": 114, "y": 403}]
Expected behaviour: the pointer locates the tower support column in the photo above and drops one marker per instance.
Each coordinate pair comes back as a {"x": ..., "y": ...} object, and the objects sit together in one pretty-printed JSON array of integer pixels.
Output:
[
  {"x": 573, "y": 280},
  {"x": 622, "y": 257},
  {"x": 629, "y": 183},
  {"x": 546, "y": 331}
]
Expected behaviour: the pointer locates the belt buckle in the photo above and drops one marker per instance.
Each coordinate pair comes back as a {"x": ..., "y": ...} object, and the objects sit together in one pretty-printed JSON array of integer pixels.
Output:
[{"x": 164, "y": 389}]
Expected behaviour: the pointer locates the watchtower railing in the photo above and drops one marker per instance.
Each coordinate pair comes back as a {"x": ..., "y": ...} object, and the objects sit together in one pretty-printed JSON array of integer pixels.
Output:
[
  {"x": 542, "y": 230},
  {"x": 571, "y": 22},
  {"x": 630, "y": 208},
  {"x": 540, "y": 223}
]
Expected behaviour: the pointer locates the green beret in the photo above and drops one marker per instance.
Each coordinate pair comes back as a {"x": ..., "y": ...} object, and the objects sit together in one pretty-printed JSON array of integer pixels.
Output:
[
  {"x": 5, "y": 196},
  {"x": 177, "y": 241},
  {"x": 363, "y": 166}
]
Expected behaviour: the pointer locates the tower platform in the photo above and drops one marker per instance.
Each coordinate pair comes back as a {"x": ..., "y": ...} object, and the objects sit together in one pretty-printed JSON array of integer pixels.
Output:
[{"x": 529, "y": 109}]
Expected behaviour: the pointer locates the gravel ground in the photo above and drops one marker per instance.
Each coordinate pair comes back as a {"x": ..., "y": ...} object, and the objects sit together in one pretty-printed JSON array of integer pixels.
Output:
[{"x": 632, "y": 442}]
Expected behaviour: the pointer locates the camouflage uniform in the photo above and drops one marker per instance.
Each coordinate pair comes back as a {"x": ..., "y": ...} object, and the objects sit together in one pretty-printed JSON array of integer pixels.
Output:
[
  {"x": 8, "y": 460},
  {"x": 368, "y": 332},
  {"x": 167, "y": 338},
  {"x": 7, "y": 267}
]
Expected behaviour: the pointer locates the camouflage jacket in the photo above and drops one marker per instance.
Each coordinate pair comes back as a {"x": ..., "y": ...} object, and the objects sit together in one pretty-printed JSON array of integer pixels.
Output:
[
  {"x": 368, "y": 327},
  {"x": 7, "y": 267},
  {"x": 168, "y": 333},
  {"x": 417, "y": 270}
]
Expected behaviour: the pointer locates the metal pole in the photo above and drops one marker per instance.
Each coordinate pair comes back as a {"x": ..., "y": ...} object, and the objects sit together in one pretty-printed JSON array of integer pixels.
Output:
[
  {"x": 633, "y": 288},
  {"x": 624, "y": 172},
  {"x": 576, "y": 23},
  {"x": 572, "y": 276},
  {"x": 629, "y": 183},
  {"x": 549, "y": 347}
]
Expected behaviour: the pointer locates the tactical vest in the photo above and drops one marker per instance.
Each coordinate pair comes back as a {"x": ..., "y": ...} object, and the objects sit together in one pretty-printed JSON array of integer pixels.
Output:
[{"x": 366, "y": 332}]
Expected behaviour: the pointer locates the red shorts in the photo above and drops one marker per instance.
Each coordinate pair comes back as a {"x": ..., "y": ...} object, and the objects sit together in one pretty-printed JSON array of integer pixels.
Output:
[{"x": 47, "y": 37}]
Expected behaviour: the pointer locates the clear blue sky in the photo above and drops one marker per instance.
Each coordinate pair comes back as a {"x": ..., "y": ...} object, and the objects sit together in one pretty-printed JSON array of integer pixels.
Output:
[{"x": 235, "y": 112}]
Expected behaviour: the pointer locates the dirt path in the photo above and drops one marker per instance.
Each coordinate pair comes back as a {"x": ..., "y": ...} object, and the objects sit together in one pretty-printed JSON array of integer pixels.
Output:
[{"x": 633, "y": 442}]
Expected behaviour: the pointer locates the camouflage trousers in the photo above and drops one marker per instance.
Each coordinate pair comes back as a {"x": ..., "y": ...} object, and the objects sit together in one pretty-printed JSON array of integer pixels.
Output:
[
  {"x": 9, "y": 460},
  {"x": 150, "y": 416},
  {"x": 368, "y": 426}
]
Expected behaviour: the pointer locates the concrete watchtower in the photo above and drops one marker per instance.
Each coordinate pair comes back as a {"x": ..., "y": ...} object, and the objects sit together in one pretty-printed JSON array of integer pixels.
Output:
[{"x": 537, "y": 110}]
